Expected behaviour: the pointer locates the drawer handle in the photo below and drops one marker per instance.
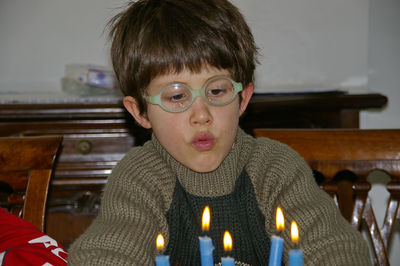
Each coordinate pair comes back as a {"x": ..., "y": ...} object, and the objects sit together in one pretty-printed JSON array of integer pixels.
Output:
[{"x": 84, "y": 146}]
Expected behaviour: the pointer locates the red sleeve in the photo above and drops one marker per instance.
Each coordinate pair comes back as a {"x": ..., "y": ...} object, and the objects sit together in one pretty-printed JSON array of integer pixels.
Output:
[{"x": 21, "y": 243}]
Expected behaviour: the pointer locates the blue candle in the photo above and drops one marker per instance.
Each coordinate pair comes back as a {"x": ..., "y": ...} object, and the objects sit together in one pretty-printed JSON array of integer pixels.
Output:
[
  {"x": 295, "y": 255},
  {"x": 227, "y": 261},
  {"x": 206, "y": 246},
  {"x": 276, "y": 244},
  {"x": 206, "y": 251},
  {"x": 161, "y": 260},
  {"x": 276, "y": 249}
]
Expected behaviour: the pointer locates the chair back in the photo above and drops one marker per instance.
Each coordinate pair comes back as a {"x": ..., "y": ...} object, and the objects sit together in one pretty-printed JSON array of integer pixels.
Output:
[
  {"x": 341, "y": 160},
  {"x": 26, "y": 165}
]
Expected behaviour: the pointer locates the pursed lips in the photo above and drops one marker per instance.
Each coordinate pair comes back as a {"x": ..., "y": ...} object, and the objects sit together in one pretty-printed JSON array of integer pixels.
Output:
[{"x": 203, "y": 142}]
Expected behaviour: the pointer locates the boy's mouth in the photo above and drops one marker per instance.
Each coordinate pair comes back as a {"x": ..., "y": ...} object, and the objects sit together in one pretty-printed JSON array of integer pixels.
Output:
[{"x": 203, "y": 142}]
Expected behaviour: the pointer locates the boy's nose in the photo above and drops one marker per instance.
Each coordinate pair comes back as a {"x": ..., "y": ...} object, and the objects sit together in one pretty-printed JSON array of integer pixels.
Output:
[{"x": 200, "y": 112}]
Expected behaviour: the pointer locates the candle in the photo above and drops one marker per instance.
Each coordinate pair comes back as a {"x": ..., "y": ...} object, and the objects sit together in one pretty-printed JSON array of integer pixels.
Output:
[
  {"x": 227, "y": 261},
  {"x": 276, "y": 246},
  {"x": 295, "y": 255},
  {"x": 206, "y": 246},
  {"x": 161, "y": 260}
]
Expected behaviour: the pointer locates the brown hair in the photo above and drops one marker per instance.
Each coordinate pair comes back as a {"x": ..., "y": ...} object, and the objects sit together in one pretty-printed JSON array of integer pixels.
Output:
[{"x": 156, "y": 37}]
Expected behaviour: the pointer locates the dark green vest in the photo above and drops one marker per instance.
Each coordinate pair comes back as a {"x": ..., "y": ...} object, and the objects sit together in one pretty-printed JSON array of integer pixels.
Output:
[{"x": 237, "y": 212}]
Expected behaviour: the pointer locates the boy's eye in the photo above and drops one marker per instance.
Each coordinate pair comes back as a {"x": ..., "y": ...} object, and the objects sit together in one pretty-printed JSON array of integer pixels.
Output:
[
  {"x": 178, "y": 97},
  {"x": 175, "y": 93},
  {"x": 216, "y": 92}
]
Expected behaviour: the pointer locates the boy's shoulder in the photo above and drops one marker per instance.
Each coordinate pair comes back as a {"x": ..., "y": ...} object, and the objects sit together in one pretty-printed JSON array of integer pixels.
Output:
[
  {"x": 137, "y": 157},
  {"x": 269, "y": 146},
  {"x": 273, "y": 165},
  {"x": 137, "y": 152},
  {"x": 141, "y": 164},
  {"x": 271, "y": 154}
]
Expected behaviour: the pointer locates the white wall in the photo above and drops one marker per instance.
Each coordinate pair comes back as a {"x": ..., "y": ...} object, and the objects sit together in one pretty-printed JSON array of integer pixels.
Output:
[
  {"x": 38, "y": 38},
  {"x": 384, "y": 62},
  {"x": 307, "y": 43},
  {"x": 304, "y": 44}
]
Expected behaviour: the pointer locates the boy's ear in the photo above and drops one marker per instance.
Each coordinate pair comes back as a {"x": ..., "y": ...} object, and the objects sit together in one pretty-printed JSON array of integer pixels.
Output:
[
  {"x": 246, "y": 94},
  {"x": 132, "y": 106}
]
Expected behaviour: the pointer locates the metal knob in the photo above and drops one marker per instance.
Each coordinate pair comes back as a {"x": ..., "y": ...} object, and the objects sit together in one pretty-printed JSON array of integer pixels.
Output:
[{"x": 84, "y": 147}]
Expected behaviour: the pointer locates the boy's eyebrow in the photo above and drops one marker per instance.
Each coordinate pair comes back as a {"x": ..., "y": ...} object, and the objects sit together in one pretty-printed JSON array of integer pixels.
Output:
[
  {"x": 171, "y": 81},
  {"x": 163, "y": 84}
]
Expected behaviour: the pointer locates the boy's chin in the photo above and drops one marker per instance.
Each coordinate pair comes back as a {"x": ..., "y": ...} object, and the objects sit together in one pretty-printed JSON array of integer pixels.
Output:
[{"x": 204, "y": 167}]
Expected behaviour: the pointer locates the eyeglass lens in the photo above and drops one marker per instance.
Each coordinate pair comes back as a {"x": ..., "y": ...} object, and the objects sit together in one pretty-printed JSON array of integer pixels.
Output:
[{"x": 177, "y": 97}]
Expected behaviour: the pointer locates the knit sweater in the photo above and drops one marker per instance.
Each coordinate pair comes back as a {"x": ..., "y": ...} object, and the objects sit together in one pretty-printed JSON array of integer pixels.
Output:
[{"x": 140, "y": 192}]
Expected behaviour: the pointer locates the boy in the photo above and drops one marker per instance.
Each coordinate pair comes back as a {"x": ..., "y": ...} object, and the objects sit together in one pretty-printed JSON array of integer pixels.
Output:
[{"x": 186, "y": 68}]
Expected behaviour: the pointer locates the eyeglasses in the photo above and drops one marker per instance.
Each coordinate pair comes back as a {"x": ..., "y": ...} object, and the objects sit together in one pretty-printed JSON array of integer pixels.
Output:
[{"x": 178, "y": 97}]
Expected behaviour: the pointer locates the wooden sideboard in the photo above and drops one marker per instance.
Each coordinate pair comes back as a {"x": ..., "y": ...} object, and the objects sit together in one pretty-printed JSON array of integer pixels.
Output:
[{"x": 98, "y": 132}]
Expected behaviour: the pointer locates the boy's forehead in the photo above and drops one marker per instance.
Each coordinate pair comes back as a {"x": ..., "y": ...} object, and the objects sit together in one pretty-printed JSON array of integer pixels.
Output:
[{"x": 188, "y": 77}]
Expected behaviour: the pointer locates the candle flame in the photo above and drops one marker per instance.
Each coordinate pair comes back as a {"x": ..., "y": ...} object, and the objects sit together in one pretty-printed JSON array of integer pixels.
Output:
[
  {"x": 205, "y": 224},
  {"x": 227, "y": 241},
  {"x": 280, "y": 221},
  {"x": 160, "y": 242},
  {"x": 294, "y": 232}
]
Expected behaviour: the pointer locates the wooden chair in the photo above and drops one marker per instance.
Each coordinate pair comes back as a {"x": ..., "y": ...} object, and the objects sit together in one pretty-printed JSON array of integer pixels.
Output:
[
  {"x": 341, "y": 160},
  {"x": 25, "y": 169}
]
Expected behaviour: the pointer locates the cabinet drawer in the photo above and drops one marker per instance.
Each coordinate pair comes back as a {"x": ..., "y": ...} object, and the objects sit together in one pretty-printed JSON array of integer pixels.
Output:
[
  {"x": 95, "y": 147},
  {"x": 85, "y": 145},
  {"x": 87, "y": 156}
]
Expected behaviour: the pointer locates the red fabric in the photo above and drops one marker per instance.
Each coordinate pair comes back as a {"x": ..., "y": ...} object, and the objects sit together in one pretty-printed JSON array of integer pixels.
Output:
[{"x": 21, "y": 243}]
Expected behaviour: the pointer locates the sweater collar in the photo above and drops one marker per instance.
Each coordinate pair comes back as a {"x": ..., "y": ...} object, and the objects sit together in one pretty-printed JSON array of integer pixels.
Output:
[{"x": 219, "y": 182}]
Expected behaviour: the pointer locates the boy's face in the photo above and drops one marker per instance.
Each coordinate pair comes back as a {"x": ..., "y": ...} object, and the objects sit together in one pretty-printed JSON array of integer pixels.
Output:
[{"x": 201, "y": 136}]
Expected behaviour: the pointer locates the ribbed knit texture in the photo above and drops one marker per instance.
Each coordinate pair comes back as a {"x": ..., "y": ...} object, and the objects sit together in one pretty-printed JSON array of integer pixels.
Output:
[
  {"x": 141, "y": 188},
  {"x": 237, "y": 212}
]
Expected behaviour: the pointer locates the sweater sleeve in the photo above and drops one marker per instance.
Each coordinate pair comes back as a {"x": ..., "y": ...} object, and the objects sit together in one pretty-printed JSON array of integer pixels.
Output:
[
  {"x": 131, "y": 215},
  {"x": 326, "y": 238}
]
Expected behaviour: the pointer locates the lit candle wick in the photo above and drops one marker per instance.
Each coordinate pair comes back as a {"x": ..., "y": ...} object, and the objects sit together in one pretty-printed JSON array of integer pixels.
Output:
[
  {"x": 206, "y": 246},
  {"x": 205, "y": 225},
  {"x": 276, "y": 245},
  {"x": 227, "y": 242},
  {"x": 161, "y": 260},
  {"x": 160, "y": 242},
  {"x": 227, "y": 261},
  {"x": 280, "y": 221},
  {"x": 295, "y": 255},
  {"x": 294, "y": 233}
]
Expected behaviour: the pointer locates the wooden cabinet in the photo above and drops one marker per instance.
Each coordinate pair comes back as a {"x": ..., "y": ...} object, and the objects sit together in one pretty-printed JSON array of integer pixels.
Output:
[{"x": 97, "y": 134}]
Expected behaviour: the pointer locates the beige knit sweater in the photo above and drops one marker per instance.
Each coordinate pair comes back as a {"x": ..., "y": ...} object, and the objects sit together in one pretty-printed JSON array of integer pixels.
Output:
[{"x": 140, "y": 190}]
